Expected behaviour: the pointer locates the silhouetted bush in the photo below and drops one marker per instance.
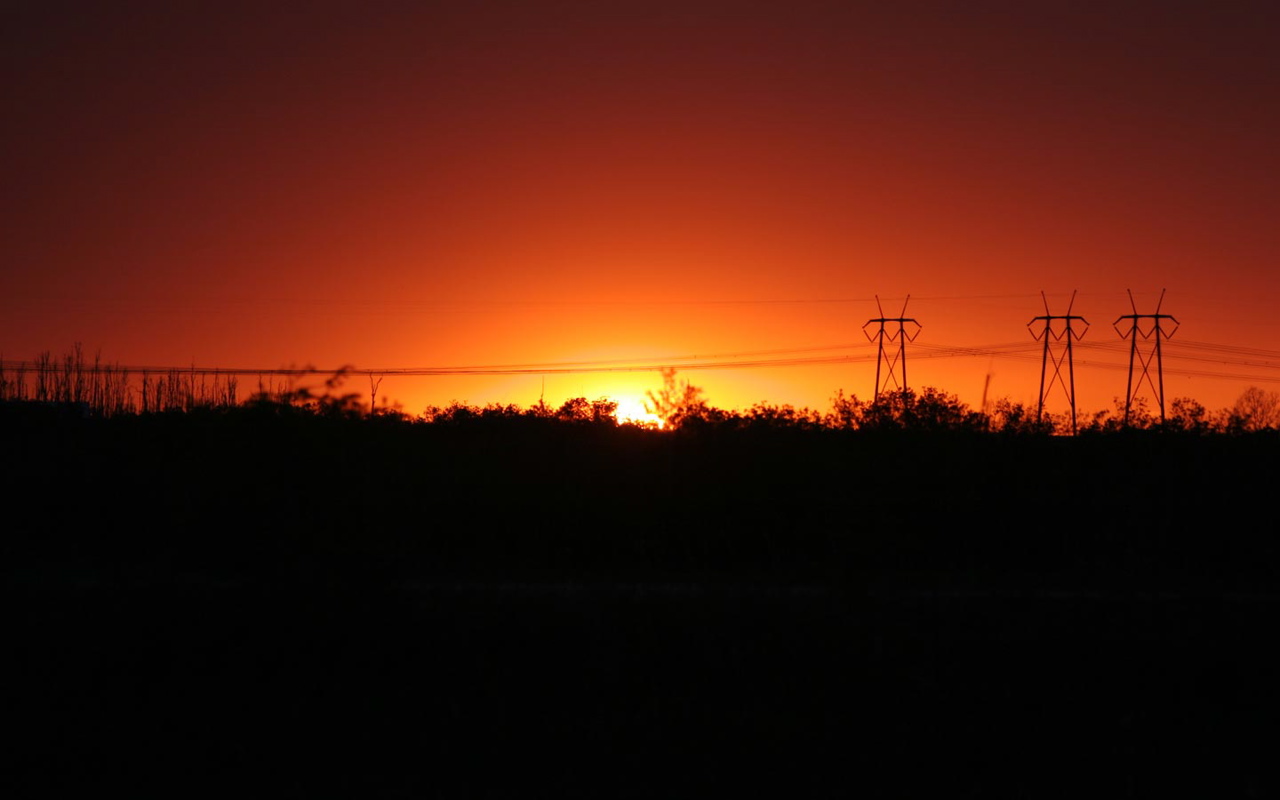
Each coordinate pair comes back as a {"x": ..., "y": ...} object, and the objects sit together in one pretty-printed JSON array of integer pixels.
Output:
[
  {"x": 1008, "y": 417},
  {"x": 930, "y": 410}
]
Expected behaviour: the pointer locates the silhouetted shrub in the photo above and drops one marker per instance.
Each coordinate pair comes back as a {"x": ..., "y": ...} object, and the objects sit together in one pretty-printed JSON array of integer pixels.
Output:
[
  {"x": 930, "y": 410},
  {"x": 1008, "y": 417}
]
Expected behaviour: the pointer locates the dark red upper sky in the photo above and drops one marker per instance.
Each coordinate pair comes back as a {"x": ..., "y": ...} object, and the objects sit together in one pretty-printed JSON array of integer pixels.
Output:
[{"x": 396, "y": 184}]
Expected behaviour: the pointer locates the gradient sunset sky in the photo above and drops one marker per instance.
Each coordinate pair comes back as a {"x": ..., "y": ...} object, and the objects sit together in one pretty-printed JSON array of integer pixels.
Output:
[{"x": 266, "y": 184}]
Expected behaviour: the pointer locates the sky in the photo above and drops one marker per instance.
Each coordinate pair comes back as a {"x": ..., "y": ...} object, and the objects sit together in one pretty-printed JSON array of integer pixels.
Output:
[{"x": 631, "y": 185}]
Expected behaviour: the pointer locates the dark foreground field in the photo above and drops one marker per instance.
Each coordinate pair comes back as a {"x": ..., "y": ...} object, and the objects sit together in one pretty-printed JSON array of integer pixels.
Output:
[{"x": 254, "y": 605}]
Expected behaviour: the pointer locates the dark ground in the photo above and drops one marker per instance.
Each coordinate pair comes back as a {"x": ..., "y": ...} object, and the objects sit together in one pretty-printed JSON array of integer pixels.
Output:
[{"x": 303, "y": 607}]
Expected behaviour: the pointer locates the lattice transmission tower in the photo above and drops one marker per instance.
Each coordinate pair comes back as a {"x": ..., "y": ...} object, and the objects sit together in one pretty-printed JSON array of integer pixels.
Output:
[
  {"x": 1153, "y": 334},
  {"x": 1062, "y": 336},
  {"x": 894, "y": 364}
]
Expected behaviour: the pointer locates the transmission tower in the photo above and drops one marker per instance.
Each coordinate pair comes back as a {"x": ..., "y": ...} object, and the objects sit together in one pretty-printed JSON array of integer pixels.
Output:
[
  {"x": 1153, "y": 334},
  {"x": 1064, "y": 335},
  {"x": 893, "y": 362}
]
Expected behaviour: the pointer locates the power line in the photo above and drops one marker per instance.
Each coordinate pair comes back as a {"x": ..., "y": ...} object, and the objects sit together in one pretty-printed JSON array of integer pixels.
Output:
[{"x": 1228, "y": 355}]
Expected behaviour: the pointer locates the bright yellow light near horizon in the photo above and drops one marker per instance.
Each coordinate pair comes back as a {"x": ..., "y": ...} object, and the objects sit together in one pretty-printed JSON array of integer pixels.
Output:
[{"x": 632, "y": 410}]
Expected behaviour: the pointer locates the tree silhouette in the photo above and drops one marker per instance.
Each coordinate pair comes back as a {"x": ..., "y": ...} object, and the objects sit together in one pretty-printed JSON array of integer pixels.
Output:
[
  {"x": 1189, "y": 416},
  {"x": 1010, "y": 417},
  {"x": 677, "y": 402},
  {"x": 929, "y": 410},
  {"x": 1257, "y": 409},
  {"x": 580, "y": 409},
  {"x": 846, "y": 412}
]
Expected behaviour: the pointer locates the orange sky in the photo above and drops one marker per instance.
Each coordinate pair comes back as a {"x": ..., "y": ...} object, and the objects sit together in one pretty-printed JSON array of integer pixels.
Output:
[{"x": 386, "y": 186}]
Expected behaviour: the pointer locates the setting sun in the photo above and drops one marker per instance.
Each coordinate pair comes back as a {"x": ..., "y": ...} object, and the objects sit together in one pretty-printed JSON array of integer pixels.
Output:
[{"x": 631, "y": 410}]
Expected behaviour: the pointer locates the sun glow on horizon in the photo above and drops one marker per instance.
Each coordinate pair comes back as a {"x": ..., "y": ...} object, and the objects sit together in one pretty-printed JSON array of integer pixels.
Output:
[{"x": 631, "y": 410}]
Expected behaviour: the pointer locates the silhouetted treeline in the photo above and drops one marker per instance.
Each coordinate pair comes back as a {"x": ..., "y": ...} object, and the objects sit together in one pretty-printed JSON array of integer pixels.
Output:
[
  {"x": 898, "y": 599},
  {"x": 74, "y": 385},
  {"x": 500, "y": 490}
]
